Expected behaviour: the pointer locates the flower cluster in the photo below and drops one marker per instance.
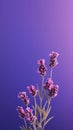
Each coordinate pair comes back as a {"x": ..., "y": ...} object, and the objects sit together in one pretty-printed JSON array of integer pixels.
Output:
[
  {"x": 53, "y": 59},
  {"x": 24, "y": 97},
  {"x": 28, "y": 114},
  {"x": 51, "y": 88},
  {"x": 48, "y": 84},
  {"x": 32, "y": 90},
  {"x": 38, "y": 116},
  {"x": 42, "y": 68},
  {"x": 53, "y": 91},
  {"x": 21, "y": 112}
]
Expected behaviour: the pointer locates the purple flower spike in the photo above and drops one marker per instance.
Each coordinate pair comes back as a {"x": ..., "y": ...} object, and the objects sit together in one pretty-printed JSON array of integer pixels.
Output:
[
  {"x": 54, "y": 91},
  {"x": 37, "y": 118},
  {"x": 23, "y": 97},
  {"x": 21, "y": 112},
  {"x": 42, "y": 69},
  {"x": 53, "y": 59},
  {"x": 48, "y": 85},
  {"x": 29, "y": 115},
  {"x": 32, "y": 90}
]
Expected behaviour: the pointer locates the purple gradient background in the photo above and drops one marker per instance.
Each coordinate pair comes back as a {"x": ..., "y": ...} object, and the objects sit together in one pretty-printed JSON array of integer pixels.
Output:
[{"x": 29, "y": 30}]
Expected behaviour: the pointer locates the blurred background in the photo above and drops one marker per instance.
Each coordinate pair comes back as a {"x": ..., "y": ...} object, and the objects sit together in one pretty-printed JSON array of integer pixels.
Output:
[{"x": 30, "y": 30}]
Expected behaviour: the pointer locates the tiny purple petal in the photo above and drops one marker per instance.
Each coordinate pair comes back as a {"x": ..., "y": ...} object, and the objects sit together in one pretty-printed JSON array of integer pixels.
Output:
[
  {"x": 54, "y": 54},
  {"x": 50, "y": 81},
  {"x": 29, "y": 110},
  {"x": 26, "y": 101},
  {"x": 33, "y": 119},
  {"x": 22, "y": 95},
  {"x": 41, "y": 62}
]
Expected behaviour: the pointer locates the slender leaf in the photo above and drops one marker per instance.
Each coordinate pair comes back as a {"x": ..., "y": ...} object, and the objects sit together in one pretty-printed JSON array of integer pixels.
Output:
[{"x": 48, "y": 120}]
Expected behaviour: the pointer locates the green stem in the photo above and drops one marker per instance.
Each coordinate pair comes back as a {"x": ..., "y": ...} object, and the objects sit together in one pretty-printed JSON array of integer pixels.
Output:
[
  {"x": 51, "y": 71},
  {"x": 45, "y": 105},
  {"x": 25, "y": 123},
  {"x": 42, "y": 80},
  {"x": 41, "y": 108},
  {"x": 42, "y": 85},
  {"x": 42, "y": 91},
  {"x": 35, "y": 104},
  {"x": 34, "y": 127}
]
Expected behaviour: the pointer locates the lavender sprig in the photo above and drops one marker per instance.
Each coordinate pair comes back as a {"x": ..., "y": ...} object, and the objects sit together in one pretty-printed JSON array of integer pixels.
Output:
[{"x": 38, "y": 117}]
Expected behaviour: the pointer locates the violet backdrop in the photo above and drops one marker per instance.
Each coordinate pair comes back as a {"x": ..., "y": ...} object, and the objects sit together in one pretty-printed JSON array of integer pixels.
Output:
[{"x": 30, "y": 30}]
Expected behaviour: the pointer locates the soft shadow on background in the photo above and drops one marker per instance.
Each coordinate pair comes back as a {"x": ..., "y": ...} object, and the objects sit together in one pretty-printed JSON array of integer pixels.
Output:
[{"x": 29, "y": 30}]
